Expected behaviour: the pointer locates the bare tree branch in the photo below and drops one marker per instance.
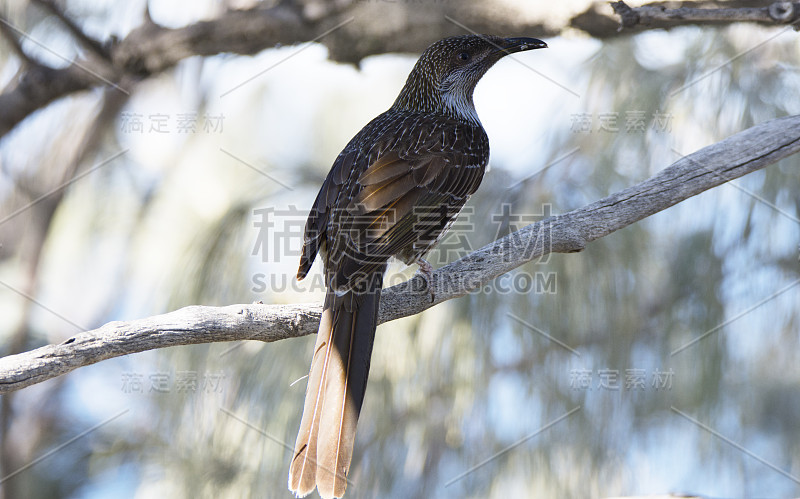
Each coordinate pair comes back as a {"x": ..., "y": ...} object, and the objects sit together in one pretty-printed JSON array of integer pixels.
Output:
[
  {"x": 87, "y": 41},
  {"x": 377, "y": 27},
  {"x": 738, "y": 155},
  {"x": 151, "y": 49},
  {"x": 658, "y": 16}
]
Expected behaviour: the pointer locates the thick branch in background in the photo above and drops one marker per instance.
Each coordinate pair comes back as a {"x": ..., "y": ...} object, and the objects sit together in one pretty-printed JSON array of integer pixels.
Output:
[
  {"x": 660, "y": 16},
  {"x": 738, "y": 155},
  {"x": 149, "y": 50},
  {"x": 351, "y": 29}
]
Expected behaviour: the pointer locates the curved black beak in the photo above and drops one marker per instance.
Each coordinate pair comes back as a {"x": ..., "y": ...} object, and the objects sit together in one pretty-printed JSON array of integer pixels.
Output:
[{"x": 513, "y": 45}]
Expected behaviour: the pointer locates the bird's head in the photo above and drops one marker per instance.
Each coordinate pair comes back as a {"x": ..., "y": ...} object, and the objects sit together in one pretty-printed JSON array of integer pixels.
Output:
[{"x": 446, "y": 74}]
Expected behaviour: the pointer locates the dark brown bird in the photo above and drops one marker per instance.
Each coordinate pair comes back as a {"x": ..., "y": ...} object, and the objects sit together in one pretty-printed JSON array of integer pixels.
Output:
[{"x": 393, "y": 191}]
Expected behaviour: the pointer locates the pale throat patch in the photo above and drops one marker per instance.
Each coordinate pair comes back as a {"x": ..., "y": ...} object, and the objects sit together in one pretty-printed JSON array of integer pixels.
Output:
[{"x": 460, "y": 104}]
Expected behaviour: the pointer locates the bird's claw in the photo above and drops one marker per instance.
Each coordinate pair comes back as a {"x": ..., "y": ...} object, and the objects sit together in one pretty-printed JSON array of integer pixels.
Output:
[{"x": 426, "y": 271}]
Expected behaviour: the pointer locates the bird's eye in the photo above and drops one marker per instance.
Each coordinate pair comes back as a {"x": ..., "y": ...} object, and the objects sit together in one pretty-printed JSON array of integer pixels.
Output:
[{"x": 464, "y": 56}]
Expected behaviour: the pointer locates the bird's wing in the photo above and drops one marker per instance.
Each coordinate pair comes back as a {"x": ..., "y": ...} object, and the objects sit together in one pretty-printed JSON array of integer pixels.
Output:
[
  {"x": 405, "y": 196},
  {"x": 317, "y": 223}
]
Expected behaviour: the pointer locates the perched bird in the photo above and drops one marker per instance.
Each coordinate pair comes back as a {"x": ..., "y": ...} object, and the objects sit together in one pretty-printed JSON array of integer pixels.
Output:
[{"x": 393, "y": 191}]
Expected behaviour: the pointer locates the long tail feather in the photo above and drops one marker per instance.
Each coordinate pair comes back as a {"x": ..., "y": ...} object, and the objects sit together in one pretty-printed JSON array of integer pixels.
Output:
[{"x": 337, "y": 382}]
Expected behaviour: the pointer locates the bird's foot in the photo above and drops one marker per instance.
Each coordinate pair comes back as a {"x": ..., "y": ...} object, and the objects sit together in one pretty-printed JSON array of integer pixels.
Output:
[{"x": 426, "y": 271}]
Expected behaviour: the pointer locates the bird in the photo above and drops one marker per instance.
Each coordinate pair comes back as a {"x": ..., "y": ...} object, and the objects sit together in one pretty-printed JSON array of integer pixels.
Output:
[{"x": 393, "y": 191}]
